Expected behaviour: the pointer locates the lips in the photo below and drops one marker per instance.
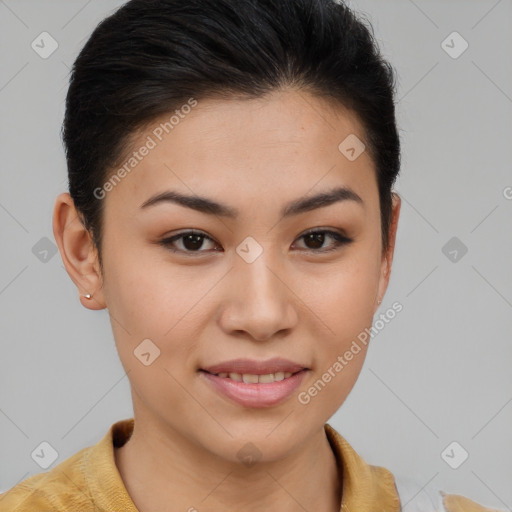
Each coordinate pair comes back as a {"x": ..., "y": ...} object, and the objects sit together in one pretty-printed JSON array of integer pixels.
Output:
[
  {"x": 250, "y": 394},
  {"x": 253, "y": 383},
  {"x": 254, "y": 367}
]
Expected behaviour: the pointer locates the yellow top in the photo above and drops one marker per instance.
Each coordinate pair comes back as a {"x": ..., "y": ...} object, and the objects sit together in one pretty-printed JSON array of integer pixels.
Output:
[{"x": 89, "y": 481}]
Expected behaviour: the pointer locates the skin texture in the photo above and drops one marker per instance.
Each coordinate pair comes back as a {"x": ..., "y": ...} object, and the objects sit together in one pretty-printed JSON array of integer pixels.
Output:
[{"x": 294, "y": 301}]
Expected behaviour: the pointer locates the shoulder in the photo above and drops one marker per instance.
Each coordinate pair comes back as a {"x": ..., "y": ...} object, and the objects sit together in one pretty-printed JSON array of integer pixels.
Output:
[
  {"x": 87, "y": 481},
  {"x": 420, "y": 498},
  {"x": 369, "y": 483},
  {"x": 61, "y": 489}
]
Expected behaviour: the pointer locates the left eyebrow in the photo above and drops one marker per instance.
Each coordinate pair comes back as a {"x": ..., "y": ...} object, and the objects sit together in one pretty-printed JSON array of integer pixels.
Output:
[
  {"x": 296, "y": 207},
  {"x": 321, "y": 200}
]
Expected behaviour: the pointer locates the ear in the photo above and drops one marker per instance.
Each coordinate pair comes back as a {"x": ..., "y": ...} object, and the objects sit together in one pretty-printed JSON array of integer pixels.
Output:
[
  {"x": 78, "y": 253},
  {"x": 387, "y": 256}
]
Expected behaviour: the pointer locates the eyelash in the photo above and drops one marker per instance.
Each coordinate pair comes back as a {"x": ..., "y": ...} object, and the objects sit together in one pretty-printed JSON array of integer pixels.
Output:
[{"x": 340, "y": 241}]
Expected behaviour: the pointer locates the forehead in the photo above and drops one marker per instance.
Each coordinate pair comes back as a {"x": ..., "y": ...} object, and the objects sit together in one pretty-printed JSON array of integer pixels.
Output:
[{"x": 270, "y": 147}]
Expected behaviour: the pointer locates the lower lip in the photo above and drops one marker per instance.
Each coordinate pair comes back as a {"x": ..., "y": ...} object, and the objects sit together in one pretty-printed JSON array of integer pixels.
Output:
[{"x": 255, "y": 395}]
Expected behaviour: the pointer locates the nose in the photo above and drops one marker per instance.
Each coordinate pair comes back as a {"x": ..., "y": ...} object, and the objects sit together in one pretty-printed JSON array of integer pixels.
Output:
[{"x": 260, "y": 302}]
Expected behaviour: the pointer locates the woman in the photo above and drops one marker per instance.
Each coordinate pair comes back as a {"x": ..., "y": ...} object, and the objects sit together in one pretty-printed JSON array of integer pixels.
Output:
[{"x": 231, "y": 166}]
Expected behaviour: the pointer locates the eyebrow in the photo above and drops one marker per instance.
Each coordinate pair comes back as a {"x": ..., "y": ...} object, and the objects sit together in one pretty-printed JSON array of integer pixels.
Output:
[{"x": 296, "y": 207}]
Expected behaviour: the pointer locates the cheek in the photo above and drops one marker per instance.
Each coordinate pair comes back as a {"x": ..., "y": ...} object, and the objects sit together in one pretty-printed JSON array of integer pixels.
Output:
[
  {"x": 345, "y": 306},
  {"x": 145, "y": 292},
  {"x": 344, "y": 297},
  {"x": 347, "y": 311},
  {"x": 148, "y": 298}
]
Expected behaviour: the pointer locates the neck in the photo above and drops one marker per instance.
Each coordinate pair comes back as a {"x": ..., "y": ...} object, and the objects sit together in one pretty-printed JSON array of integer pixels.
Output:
[{"x": 164, "y": 469}]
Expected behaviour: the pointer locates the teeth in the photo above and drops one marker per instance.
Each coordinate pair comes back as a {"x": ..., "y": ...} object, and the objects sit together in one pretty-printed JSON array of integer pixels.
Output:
[{"x": 250, "y": 378}]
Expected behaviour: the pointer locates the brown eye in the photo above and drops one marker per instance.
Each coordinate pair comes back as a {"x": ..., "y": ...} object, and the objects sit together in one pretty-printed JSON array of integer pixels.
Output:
[
  {"x": 191, "y": 242},
  {"x": 315, "y": 240}
]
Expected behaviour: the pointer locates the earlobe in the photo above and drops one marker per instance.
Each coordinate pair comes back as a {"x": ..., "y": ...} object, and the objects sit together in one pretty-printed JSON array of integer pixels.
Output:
[{"x": 78, "y": 253}]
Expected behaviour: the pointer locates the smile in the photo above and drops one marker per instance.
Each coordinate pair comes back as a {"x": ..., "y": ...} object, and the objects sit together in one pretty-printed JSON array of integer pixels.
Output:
[
  {"x": 251, "y": 378},
  {"x": 252, "y": 390}
]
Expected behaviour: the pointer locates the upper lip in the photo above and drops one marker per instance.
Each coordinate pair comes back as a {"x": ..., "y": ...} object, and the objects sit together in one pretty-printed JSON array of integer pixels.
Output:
[{"x": 255, "y": 367}]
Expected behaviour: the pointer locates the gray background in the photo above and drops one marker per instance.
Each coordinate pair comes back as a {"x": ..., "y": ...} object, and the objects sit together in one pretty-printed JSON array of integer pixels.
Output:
[{"x": 439, "y": 372}]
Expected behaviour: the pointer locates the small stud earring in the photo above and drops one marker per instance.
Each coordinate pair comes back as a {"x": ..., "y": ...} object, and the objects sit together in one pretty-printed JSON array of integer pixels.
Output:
[
  {"x": 379, "y": 301},
  {"x": 87, "y": 296}
]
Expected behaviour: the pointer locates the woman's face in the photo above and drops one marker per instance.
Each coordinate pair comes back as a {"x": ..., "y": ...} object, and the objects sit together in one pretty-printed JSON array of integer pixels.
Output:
[{"x": 251, "y": 286}]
